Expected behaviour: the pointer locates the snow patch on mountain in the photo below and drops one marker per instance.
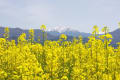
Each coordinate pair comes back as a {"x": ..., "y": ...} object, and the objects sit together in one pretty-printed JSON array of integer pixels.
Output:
[{"x": 61, "y": 29}]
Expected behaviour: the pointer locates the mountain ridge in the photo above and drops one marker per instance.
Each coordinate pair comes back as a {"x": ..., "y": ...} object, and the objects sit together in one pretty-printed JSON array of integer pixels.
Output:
[{"x": 54, "y": 35}]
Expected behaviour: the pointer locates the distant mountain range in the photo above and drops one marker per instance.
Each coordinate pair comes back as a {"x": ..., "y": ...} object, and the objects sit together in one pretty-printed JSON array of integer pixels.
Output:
[
  {"x": 54, "y": 34},
  {"x": 51, "y": 35},
  {"x": 68, "y": 32}
]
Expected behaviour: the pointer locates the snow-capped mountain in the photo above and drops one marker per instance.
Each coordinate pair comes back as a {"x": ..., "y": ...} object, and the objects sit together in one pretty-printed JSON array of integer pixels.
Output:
[
  {"x": 59, "y": 29},
  {"x": 68, "y": 31}
]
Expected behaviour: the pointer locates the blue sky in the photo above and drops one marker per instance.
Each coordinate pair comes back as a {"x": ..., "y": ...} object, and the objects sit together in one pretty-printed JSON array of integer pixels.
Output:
[{"x": 77, "y": 14}]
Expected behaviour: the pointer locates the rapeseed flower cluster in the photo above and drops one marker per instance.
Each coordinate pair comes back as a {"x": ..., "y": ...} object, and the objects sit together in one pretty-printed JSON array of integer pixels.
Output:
[{"x": 59, "y": 60}]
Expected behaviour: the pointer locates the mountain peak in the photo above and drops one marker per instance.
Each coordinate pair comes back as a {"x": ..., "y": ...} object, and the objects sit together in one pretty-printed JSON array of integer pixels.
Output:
[{"x": 62, "y": 29}]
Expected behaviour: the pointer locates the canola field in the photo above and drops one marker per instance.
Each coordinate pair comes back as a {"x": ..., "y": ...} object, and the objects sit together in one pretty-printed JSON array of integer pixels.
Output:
[{"x": 59, "y": 60}]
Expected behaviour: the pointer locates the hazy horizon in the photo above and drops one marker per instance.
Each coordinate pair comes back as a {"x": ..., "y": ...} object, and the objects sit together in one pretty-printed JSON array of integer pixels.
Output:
[{"x": 76, "y": 14}]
